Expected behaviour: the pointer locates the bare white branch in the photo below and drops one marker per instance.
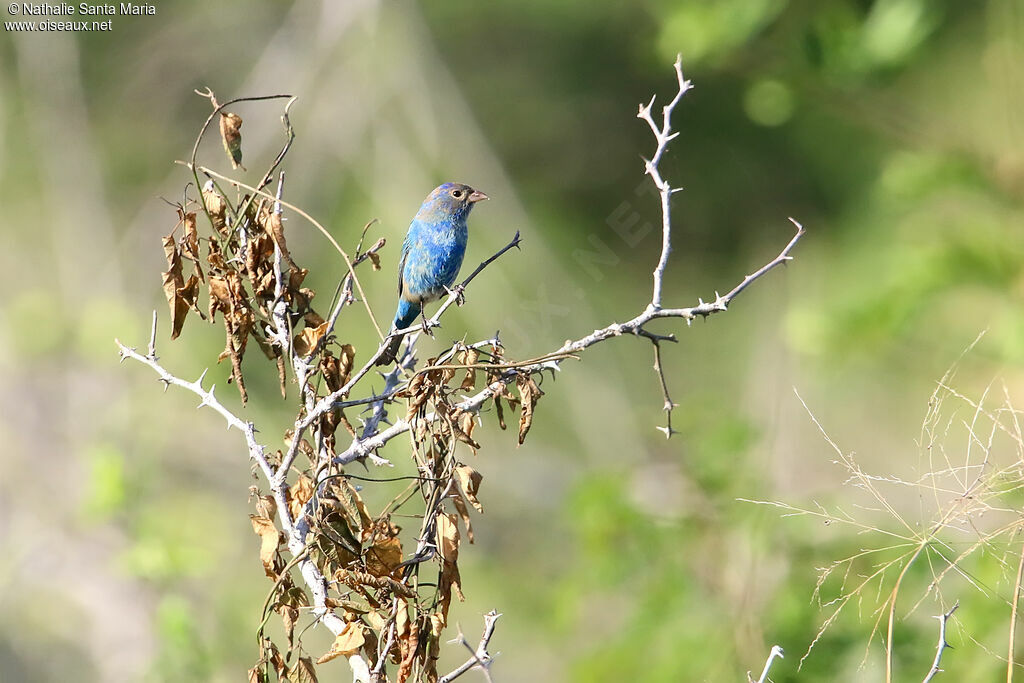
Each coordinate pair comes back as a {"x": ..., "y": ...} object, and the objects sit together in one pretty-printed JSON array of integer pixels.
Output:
[
  {"x": 776, "y": 652},
  {"x": 943, "y": 620},
  {"x": 480, "y": 657},
  {"x": 256, "y": 451},
  {"x": 663, "y": 135}
]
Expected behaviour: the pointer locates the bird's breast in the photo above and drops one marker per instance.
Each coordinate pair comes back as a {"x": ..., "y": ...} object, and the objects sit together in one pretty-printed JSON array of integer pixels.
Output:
[{"x": 433, "y": 262}]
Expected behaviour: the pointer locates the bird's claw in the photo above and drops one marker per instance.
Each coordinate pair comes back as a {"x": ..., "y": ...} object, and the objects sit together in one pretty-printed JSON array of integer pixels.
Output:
[{"x": 457, "y": 292}]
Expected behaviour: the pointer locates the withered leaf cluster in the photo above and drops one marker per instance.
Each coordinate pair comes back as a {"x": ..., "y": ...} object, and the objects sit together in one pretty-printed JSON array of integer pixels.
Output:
[{"x": 246, "y": 278}]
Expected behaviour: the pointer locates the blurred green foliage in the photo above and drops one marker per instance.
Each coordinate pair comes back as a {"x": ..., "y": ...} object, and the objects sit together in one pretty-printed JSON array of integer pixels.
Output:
[{"x": 891, "y": 128}]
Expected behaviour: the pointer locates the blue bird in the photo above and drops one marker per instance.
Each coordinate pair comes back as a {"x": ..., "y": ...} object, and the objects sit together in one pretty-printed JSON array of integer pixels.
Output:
[{"x": 431, "y": 254}]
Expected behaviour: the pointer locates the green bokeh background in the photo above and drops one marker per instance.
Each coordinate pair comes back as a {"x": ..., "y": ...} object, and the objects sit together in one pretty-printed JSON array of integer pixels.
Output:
[{"x": 892, "y": 129}]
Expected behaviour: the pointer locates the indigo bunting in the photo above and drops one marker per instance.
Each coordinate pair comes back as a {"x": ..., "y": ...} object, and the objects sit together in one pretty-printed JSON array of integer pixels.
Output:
[{"x": 431, "y": 254}]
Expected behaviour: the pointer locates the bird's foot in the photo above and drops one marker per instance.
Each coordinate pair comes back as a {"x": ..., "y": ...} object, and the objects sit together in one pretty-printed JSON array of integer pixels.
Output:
[
  {"x": 427, "y": 326},
  {"x": 457, "y": 292}
]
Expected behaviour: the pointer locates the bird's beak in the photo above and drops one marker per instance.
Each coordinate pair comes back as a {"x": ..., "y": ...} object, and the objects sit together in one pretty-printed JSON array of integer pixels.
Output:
[{"x": 477, "y": 196}]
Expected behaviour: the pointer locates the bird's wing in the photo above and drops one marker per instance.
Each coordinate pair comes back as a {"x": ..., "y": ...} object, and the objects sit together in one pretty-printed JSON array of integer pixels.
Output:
[{"x": 401, "y": 263}]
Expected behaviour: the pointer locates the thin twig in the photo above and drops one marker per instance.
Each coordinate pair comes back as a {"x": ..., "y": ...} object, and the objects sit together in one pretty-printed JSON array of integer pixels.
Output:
[
  {"x": 345, "y": 292},
  {"x": 669, "y": 405}
]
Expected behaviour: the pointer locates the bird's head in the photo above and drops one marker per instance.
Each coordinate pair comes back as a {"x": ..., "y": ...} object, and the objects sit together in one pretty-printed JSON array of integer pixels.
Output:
[{"x": 451, "y": 200}]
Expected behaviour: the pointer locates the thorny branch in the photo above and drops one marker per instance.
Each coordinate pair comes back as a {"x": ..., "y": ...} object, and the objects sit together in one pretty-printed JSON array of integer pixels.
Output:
[
  {"x": 479, "y": 657},
  {"x": 434, "y": 422},
  {"x": 663, "y": 135},
  {"x": 943, "y": 620}
]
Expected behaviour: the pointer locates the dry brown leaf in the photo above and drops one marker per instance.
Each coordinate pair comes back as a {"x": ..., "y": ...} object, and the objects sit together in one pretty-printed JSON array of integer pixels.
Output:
[
  {"x": 258, "y": 251},
  {"x": 499, "y": 411},
  {"x": 275, "y": 228},
  {"x": 448, "y": 537},
  {"x": 189, "y": 293},
  {"x": 347, "y": 362},
  {"x": 348, "y": 642},
  {"x": 467, "y": 423},
  {"x": 408, "y": 646},
  {"x": 214, "y": 256},
  {"x": 402, "y": 618},
  {"x": 299, "y": 494},
  {"x": 331, "y": 370},
  {"x": 178, "y": 306},
  {"x": 449, "y": 581},
  {"x": 470, "y": 357},
  {"x": 289, "y": 615},
  {"x": 529, "y": 394},
  {"x": 460, "y": 507},
  {"x": 270, "y": 538},
  {"x": 216, "y": 207},
  {"x": 277, "y": 661},
  {"x": 235, "y": 347},
  {"x": 303, "y": 671},
  {"x": 295, "y": 280},
  {"x": 220, "y": 297},
  {"x": 308, "y": 339},
  {"x": 190, "y": 242},
  {"x": 231, "y": 136},
  {"x": 461, "y": 434},
  {"x": 265, "y": 286},
  {"x": 384, "y": 556},
  {"x": 437, "y": 624},
  {"x": 469, "y": 481},
  {"x": 266, "y": 506},
  {"x": 171, "y": 252},
  {"x": 173, "y": 281}
]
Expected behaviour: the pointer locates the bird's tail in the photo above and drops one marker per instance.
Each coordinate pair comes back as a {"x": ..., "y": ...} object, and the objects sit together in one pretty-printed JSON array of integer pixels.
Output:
[{"x": 405, "y": 316}]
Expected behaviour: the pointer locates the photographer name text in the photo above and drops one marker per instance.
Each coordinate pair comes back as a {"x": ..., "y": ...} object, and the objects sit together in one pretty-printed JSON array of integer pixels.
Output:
[{"x": 64, "y": 9}]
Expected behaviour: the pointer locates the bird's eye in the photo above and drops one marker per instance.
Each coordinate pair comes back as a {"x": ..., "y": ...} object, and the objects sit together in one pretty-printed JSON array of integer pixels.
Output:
[{"x": 457, "y": 194}]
